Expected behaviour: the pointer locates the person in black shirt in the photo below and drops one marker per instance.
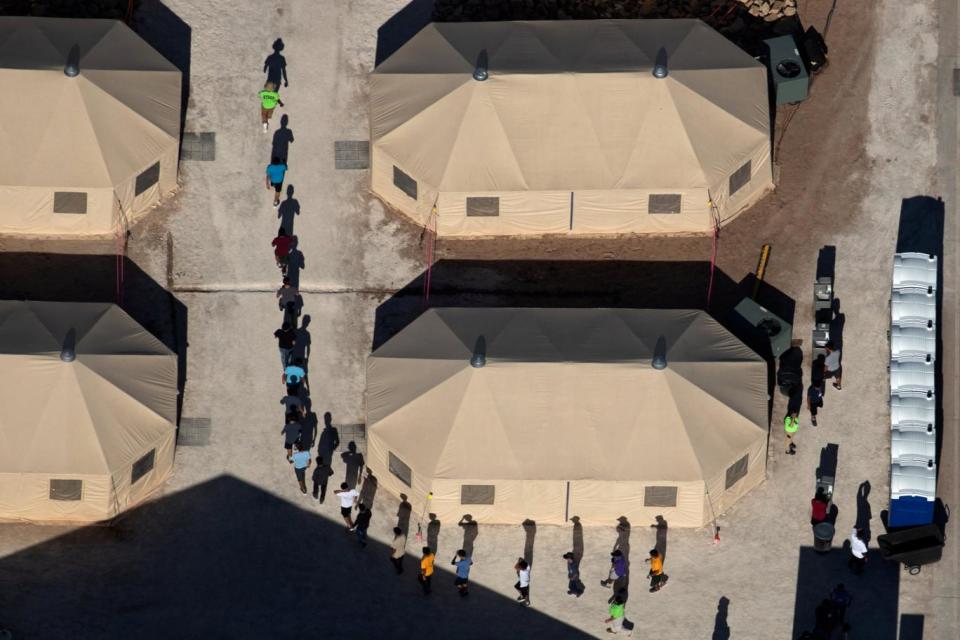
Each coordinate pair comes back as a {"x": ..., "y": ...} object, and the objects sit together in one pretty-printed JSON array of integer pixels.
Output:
[
  {"x": 362, "y": 524},
  {"x": 286, "y": 337}
]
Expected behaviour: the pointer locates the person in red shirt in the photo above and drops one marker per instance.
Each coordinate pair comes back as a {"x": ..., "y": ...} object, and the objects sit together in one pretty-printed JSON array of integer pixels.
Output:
[
  {"x": 281, "y": 248},
  {"x": 818, "y": 507}
]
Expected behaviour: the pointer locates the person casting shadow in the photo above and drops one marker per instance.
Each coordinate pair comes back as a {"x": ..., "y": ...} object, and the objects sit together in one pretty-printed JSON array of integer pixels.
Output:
[
  {"x": 329, "y": 438},
  {"x": 433, "y": 532},
  {"x": 470, "y": 531},
  {"x": 721, "y": 630},
  {"x": 353, "y": 460},
  {"x": 369, "y": 490},
  {"x": 661, "y": 545},
  {"x": 282, "y": 139},
  {"x": 530, "y": 532},
  {"x": 288, "y": 210},
  {"x": 403, "y": 514},
  {"x": 275, "y": 65},
  {"x": 864, "y": 512}
]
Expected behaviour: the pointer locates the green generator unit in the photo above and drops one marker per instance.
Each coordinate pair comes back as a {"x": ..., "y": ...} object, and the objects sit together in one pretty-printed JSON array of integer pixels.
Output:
[
  {"x": 777, "y": 330},
  {"x": 787, "y": 71}
]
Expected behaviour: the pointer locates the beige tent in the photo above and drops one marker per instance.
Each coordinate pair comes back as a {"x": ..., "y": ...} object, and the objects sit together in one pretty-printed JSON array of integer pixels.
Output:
[
  {"x": 567, "y": 416},
  {"x": 571, "y": 132},
  {"x": 85, "y": 153},
  {"x": 81, "y": 440}
]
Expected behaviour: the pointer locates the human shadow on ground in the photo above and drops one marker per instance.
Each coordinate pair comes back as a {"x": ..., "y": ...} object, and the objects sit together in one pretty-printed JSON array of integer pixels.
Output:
[
  {"x": 661, "y": 541},
  {"x": 167, "y": 33},
  {"x": 578, "y": 547},
  {"x": 288, "y": 210},
  {"x": 433, "y": 532},
  {"x": 368, "y": 492},
  {"x": 295, "y": 264},
  {"x": 303, "y": 340},
  {"x": 282, "y": 139},
  {"x": 93, "y": 278},
  {"x": 353, "y": 461},
  {"x": 275, "y": 65},
  {"x": 873, "y": 612},
  {"x": 721, "y": 630},
  {"x": 470, "y": 531},
  {"x": 864, "y": 512},
  {"x": 403, "y": 514},
  {"x": 529, "y": 535},
  {"x": 202, "y": 562},
  {"x": 329, "y": 438}
]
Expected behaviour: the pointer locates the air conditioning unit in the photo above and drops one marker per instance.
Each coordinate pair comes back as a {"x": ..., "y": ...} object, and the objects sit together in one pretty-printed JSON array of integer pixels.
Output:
[{"x": 787, "y": 70}]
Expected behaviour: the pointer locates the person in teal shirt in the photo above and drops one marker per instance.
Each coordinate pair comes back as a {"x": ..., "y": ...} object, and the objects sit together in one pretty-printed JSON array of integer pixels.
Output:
[
  {"x": 276, "y": 171},
  {"x": 301, "y": 460}
]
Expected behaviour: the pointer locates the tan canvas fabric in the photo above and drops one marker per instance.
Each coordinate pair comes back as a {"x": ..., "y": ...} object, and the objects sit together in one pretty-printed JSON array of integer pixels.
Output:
[
  {"x": 571, "y": 130},
  {"x": 567, "y": 396},
  {"x": 89, "y": 419},
  {"x": 93, "y": 133}
]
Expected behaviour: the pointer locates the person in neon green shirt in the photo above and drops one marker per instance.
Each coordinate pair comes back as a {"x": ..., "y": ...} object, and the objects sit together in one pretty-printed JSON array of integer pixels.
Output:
[
  {"x": 616, "y": 611},
  {"x": 790, "y": 425},
  {"x": 269, "y": 99}
]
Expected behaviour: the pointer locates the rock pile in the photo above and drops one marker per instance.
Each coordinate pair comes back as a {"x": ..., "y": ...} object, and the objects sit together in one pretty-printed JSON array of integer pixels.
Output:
[
  {"x": 770, "y": 10},
  {"x": 710, "y": 10}
]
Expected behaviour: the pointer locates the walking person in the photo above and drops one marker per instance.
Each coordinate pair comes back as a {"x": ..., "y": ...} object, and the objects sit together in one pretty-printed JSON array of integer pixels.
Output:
[
  {"x": 269, "y": 99},
  {"x": 426, "y": 570},
  {"x": 791, "y": 423},
  {"x": 462, "y": 563},
  {"x": 362, "y": 523},
  {"x": 321, "y": 475},
  {"x": 286, "y": 337},
  {"x": 397, "y": 548},
  {"x": 814, "y": 400},
  {"x": 818, "y": 507},
  {"x": 292, "y": 431},
  {"x": 841, "y": 599},
  {"x": 832, "y": 366},
  {"x": 276, "y": 171},
  {"x": 523, "y": 581},
  {"x": 657, "y": 577},
  {"x": 301, "y": 460},
  {"x": 618, "y": 568},
  {"x": 858, "y": 551},
  {"x": 287, "y": 294},
  {"x": 348, "y": 497},
  {"x": 281, "y": 251},
  {"x": 617, "y": 613},
  {"x": 574, "y": 586},
  {"x": 294, "y": 376}
]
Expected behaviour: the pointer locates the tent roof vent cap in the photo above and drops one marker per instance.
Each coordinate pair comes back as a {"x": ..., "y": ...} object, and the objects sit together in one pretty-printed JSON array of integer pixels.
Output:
[
  {"x": 480, "y": 71},
  {"x": 479, "y": 358},
  {"x": 69, "y": 351},
  {"x": 72, "y": 68},
  {"x": 660, "y": 66},
  {"x": 659, "y": 361}
]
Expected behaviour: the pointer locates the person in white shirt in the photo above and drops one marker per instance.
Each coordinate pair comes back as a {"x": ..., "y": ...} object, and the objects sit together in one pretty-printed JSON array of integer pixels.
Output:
[
  {"x": 523, "y": 581},
  {"x": 348, "y": 498},
  {"x": 858, "y": 551}
]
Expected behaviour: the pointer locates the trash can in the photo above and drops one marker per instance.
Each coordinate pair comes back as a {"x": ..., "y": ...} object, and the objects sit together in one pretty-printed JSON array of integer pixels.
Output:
[{"x": 822, "y": 537}]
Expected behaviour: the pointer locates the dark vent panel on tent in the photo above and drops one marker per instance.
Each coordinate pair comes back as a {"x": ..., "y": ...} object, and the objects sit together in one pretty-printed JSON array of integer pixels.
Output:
[
  {"x": 148, "y": 178},
  {"x": 400, "y": 469},
  {"x": 483, "y": 207},
  {"x": 405, "y": 183},
  {"x": 69, "y": 202},
  {"x": 736, "y": 471},
  {"x": 664, "y": 203},
  {"x": 70, "y": 490},
  {"x": 659, "y": 496},
  {"x": 477, "y": 493},
  {"x": 143, "y": 466},
  {"x": 740, "y": 178}
]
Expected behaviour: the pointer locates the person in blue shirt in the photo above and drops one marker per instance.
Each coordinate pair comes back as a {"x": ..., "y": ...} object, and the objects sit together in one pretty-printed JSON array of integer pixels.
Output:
[
  {"x": 276, "y": 170},
  {"x": 301, "y": 460},
  {"x": 293, "y": 376},
  {"x": 462, "y": 563}
]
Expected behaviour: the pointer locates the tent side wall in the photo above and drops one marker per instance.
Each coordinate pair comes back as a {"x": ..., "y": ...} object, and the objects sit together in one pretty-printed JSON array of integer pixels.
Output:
[
  {"x": 382, "y": 184},
  {"x": 26, "y": 497},
  {"x": 760, "y": 183},
  {"x": 720, "y": 499},
  {"x": 601, "y": 503},
  {"x": 137, "y": 205},
  {"x": 30, "y": 211},
  {"x": 126, "y": 495},
  {"x": 376, "y": 459}
]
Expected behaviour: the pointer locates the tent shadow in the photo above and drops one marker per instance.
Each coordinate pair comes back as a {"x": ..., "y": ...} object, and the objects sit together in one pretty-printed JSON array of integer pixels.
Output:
[
  {"x": 93, "y": 278},
  {"x": 227, "y": 559},
  {"x": 171, "y": 36},
  {"x": 402, "y": 26}
]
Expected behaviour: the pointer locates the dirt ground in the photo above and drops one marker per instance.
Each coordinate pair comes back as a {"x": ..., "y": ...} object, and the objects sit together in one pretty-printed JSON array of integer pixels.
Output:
[{"x": 231, "y": 548}]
